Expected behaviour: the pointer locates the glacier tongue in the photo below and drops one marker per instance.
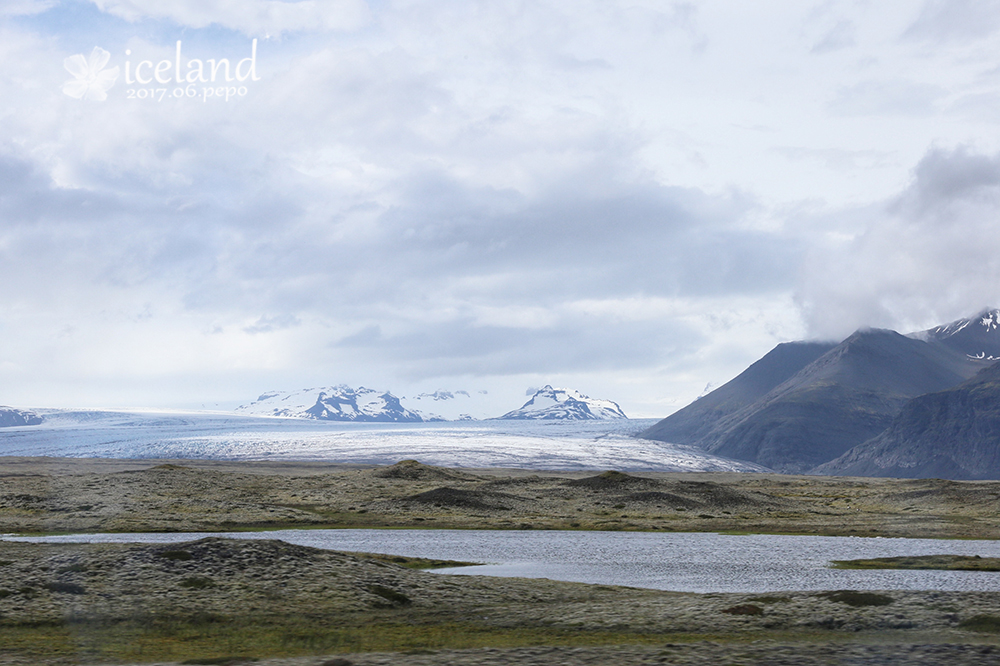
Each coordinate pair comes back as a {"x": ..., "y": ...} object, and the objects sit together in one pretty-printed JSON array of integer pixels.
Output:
[{"x": 526, "y": 444}]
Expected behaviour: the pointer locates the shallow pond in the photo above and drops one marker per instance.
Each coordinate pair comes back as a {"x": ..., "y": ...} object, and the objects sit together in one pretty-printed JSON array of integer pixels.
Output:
[{"x": 690, "y": 562}]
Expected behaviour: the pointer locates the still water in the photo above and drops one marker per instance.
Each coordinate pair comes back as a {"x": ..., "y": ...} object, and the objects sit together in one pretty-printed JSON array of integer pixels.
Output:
[{"x": 688, "y": 562}]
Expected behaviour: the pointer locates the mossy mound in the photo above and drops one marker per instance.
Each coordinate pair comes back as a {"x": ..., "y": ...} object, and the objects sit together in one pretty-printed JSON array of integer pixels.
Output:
[
  {"x": 412, "y": 470},
  {"x": 466, "y": 499},
  {"x": 613, "y": 480}
]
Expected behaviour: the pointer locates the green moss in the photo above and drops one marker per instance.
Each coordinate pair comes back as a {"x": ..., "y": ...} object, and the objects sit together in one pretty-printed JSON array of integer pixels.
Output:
[
  {"x": 72, "y": 568},
  {"x": 64, "y": 588},
  {"x": 193, "y": 638},
  {"x": 197, "y": 583},
  {"x": 744, "y": 609},
  {"x": 983, "y": 623},
  {"x": 416, "y": 562},
  {"x": 857, "y": 599},
  {"x": 392, "y": 596}
]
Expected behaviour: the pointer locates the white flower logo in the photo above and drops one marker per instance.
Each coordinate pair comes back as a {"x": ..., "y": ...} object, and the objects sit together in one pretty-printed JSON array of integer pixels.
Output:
[{"x": 91, "y": 80}]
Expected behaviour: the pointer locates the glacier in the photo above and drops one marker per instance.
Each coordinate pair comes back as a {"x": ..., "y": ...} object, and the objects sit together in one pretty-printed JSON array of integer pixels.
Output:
[{"x": 529, "y": 444}]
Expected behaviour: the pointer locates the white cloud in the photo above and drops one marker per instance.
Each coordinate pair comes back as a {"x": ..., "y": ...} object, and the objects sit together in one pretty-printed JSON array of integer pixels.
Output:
[
  {"x": 252, "y": 17},
  {"x": 522, "y": 193},
  {"x": 928, "y": 256},
  {"x": 956, "y": 20},
  {"x": 26, "y": 7}
]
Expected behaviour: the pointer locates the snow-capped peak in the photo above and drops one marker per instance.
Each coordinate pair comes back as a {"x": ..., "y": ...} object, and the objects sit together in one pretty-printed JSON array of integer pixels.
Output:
[
  {"x": 332, "y": 403},
  {"x": 559, "y": 403},
  {"x": 978, "y": 337}
]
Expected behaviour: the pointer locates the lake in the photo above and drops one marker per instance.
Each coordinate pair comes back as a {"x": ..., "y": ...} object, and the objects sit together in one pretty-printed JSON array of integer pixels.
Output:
[{"x": 686, "y": 562}]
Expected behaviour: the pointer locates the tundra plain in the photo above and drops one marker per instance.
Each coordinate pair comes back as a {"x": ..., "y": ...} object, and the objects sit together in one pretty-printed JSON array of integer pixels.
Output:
[{"x": 222, "y": 601}]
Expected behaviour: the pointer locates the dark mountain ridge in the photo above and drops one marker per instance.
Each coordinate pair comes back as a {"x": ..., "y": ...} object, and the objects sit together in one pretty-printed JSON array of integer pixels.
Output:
[
  {"x": 841, "y": 398},
  {"x": 693, "y": 422}
]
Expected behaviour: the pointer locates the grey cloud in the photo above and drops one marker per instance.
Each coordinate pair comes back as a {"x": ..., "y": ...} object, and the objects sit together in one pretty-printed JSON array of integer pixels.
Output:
[
  {"x": 648, "y": 239},
  {"x": 264, "y": 17},
  {"x": 955, "y": 20},
  {"x": 840, "y": 36},
  {"x": 368, "y": 336},
  {"x": 887, "y": 98},
  {"x": 946, "y": 177},
  {"x": 461, "y": 347},
  {"x": 837, "y": 158},
  {"x": 28, "y": 195},
  {"x": 267, "y": 324},
  {"x": 448, "y": 244}
]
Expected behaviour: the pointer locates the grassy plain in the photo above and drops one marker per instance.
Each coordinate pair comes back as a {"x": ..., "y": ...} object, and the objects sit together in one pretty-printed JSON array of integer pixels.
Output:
[
  {"x": 41, "y": 495},
  {"x": 219, "y": 601}
]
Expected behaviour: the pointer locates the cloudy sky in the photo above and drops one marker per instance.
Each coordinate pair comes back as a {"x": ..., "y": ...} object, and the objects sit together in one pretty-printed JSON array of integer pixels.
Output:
[{"x": 634, "y": 199}]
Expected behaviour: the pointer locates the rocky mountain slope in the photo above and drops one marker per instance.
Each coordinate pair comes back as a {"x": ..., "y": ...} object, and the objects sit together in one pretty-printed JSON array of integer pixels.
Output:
[
  {"x": 838, "y": 400},
  {"x": 693, "y": 422},
  {"x": 565, "y": 404},
  {"x": 952, "y": 434}
]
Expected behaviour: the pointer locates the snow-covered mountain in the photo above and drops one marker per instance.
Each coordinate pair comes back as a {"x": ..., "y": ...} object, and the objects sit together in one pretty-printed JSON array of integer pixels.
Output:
[
  {"x": 17, "y": 417},
  {"x": 332, "y": 403},
  {"x": 343, "y": 403},
  {"x": 556, "y": 403}
]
